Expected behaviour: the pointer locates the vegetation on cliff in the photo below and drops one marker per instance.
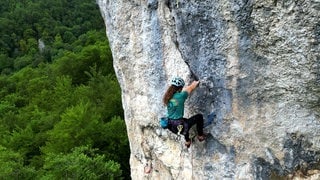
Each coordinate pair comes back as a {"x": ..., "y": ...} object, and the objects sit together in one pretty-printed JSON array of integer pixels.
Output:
[{"x": 60, "y": 107}]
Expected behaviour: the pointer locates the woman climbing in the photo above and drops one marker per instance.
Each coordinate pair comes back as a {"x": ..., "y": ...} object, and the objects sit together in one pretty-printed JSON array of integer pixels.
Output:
[{"x": 174, "y": 99}]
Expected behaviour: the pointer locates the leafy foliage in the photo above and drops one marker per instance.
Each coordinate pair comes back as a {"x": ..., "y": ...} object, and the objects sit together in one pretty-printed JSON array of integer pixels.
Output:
[
  {"x": 61, "y": 115},
  {"x": 81, "y": 163},
  {"x": 12, "y": 165}
]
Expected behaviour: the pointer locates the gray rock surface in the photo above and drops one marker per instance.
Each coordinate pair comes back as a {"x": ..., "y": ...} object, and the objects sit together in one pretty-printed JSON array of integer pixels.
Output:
[{"x": 258, "y": 63}]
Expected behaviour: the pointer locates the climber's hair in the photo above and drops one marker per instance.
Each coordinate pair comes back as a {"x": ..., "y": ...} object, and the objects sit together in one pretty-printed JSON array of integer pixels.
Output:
[{"x": 169, "y": 93}]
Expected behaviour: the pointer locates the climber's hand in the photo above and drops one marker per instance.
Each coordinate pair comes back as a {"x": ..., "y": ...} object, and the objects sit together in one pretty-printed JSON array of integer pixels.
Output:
[
  {"x": 192, "y": 86},
  {"x": 198, "y": 82}
]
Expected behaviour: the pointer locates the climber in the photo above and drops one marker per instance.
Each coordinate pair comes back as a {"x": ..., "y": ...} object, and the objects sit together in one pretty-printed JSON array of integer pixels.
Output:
[{"x": 174, "y": 99}]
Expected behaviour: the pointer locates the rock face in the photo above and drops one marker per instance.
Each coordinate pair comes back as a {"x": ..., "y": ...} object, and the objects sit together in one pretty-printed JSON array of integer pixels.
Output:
[{"x": 259, "y": 67}]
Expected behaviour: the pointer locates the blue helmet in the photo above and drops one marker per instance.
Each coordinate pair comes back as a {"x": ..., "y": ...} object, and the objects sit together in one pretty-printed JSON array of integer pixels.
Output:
[{"x": 177, "y": 81}]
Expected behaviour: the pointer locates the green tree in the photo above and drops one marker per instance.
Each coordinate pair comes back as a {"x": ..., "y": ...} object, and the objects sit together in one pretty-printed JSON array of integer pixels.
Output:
[
  {"x": 6, "y": 65},
  {"x": 115, "y": 143},
  {"x": 12, "y": 166},
  {"x": 79, "y": 125},
  {"x": 105, "y": 94},
  {"x": 62, "y": 96},
  {"x": 82, "y": 163}
]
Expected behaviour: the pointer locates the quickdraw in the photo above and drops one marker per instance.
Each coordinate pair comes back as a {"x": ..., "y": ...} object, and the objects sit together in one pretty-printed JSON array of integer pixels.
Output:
[{"x": 179, "y": 127}]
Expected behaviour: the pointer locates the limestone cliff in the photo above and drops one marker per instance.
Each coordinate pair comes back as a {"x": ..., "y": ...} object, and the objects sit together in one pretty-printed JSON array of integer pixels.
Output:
[{"x": 258, "y": 63}]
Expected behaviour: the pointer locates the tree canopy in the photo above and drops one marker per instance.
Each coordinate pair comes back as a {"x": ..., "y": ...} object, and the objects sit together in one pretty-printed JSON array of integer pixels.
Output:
[{"x": 61, "y": 115}]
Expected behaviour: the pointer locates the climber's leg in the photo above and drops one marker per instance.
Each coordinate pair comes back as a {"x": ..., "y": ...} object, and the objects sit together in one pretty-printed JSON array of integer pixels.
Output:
[
  {"x": 198, "y": 120},
  {"x": 194, "y": 120}
]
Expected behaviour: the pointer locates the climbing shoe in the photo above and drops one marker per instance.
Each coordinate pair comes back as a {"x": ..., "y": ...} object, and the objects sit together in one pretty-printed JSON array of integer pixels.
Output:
[
  {"x": 187, "y": 144},
  {"x": 202, "y": 137}
]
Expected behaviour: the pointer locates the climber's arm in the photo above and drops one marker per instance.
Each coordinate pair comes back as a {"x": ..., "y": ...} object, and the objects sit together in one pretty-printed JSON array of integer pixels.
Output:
[{"x": 191, "y": 87}]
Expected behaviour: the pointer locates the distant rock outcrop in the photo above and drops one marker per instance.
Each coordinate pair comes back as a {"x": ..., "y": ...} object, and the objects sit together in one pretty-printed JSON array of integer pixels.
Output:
[{"x": 259, "y": 67}]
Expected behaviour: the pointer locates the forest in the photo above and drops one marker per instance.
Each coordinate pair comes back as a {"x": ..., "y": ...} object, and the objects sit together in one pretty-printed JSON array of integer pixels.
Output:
[{"x": 61, "y": 115}]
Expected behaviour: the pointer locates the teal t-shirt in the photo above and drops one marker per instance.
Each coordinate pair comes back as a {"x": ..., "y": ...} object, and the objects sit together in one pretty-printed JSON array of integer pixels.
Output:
[{"x": 175, "y": 106}]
